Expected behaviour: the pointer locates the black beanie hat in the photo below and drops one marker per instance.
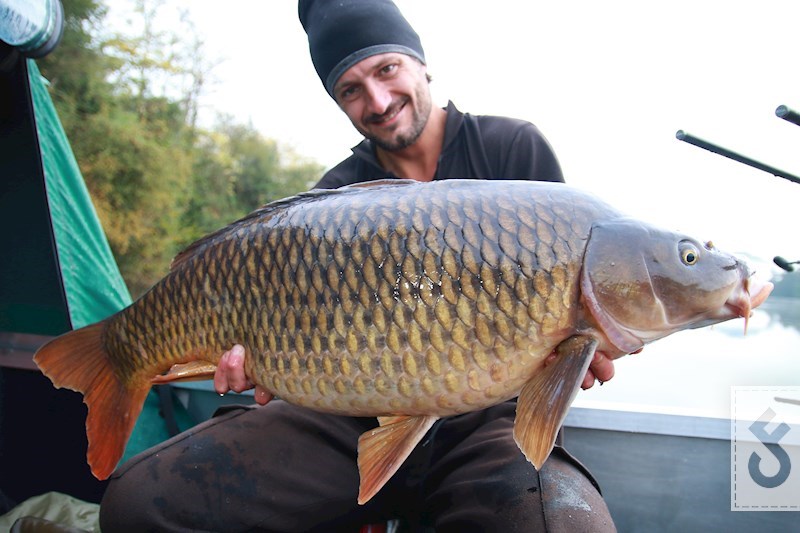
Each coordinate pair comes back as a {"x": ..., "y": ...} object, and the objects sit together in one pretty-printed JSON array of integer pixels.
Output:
[{"x": 343, "y": 32}]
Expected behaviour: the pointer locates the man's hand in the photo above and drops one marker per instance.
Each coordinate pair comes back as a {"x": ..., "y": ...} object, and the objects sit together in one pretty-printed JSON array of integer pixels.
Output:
[
  {"x": 601, "y": 369},
  {"x": 230, "y": 376}
]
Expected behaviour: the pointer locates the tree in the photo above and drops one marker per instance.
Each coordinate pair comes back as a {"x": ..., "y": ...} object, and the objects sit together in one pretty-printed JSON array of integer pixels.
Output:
[
  {"x": 129, "y": 107},
  {"x": 236, "y": 170}
]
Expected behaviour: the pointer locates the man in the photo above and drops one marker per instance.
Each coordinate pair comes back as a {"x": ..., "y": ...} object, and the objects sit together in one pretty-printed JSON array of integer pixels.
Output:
[{"x": 284, "y": 468}]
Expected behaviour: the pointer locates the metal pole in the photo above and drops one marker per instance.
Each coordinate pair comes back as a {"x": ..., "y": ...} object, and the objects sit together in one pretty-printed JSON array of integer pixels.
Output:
[
  {"x": 691, "y": 139},
  {"x": 787, "y": 114}
]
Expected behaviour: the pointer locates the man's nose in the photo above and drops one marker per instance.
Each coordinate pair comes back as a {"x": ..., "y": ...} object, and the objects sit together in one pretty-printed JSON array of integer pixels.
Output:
[{"x": 379, "y": 98}]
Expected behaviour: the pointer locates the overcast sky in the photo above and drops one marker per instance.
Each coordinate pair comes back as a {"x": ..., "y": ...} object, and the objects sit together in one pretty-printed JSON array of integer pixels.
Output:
[{"x": 608, "y": 83}]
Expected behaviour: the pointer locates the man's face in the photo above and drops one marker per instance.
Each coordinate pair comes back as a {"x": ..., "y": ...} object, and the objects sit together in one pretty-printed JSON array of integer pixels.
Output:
[{"x": 387, "y": 99}]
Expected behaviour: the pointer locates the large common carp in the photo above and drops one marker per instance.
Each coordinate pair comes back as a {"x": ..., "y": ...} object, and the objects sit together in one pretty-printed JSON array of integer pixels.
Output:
[{"x": 409, "y": 302}]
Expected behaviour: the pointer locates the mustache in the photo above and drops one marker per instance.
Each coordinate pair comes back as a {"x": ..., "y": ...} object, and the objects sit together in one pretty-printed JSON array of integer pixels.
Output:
[{"x": 393, "y": 108}]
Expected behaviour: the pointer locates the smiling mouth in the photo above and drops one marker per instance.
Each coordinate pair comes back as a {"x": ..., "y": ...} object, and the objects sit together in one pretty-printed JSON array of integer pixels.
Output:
[{"x": 390, "y": 114}]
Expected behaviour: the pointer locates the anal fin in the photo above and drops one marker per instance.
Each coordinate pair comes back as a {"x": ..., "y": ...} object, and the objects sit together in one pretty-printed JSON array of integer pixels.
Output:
[
  {"x": 544, "y": 401},
  {"x": 193, "y": 371},
  {"x": 381, "y": 451}
]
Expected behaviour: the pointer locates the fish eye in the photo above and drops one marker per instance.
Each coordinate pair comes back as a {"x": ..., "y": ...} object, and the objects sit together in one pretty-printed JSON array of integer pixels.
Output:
[{"x": 689, "y": 254}]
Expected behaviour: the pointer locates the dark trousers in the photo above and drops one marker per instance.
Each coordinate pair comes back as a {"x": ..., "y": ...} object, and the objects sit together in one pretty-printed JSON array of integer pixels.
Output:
[{"x": 285, "y": 468}]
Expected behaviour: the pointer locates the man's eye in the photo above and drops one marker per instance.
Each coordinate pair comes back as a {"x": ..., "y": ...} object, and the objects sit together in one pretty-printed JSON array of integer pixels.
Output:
[
  {"x": 388, "y": 69},
  {"x": 348, "y": 92}
]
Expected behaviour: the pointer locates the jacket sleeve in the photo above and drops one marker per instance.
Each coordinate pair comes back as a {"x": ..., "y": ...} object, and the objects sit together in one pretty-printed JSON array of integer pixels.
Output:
[
  {"x": 531, "y": 152},
  {"x": 517, "y": 150}
]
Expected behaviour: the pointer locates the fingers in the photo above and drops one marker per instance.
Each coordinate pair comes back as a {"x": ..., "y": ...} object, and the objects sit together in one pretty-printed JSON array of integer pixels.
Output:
[
  {"x": 588, "y": 380},
  {"x": 262, "y": 396},
  {"x": 220, "y": 378},
  {"x": 601, "y": 369},
  {"x": 230, "y": 374}
]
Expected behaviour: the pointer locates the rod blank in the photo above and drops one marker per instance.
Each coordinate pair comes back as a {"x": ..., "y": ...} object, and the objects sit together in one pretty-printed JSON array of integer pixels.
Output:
[
  {"x": 691, "y": 139},
  {"x": 788, "y": 266},
  {"x": 787, "y": 114}
]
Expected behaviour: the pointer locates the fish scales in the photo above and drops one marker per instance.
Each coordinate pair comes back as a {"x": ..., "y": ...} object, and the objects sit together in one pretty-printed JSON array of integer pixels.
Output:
[
  {"x": 403, "y": 299},
  {"x": 340, "y": 301}
]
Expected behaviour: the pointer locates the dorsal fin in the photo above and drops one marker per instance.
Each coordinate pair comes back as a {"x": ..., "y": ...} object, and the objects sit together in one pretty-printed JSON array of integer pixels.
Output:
[
  {"x": 265, "y": 212},
  {"x": 268, "y": 210},
  {"x": 380, "y": 183}
]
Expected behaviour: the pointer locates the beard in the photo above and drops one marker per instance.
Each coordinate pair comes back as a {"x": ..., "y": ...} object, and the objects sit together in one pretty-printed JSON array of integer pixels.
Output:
[{"x": 419, "y": 118}]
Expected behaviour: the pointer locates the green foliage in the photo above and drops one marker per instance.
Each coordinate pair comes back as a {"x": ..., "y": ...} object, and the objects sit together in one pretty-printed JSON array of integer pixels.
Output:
[
  {"x": 236, "y": 170},
  {"x": 158, "y": 183}
]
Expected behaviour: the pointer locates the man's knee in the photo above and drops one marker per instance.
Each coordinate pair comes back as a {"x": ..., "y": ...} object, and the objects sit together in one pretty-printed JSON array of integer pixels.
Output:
[
  {"x": 123, "y": 507},
  {"x": 570, "y": 500}
]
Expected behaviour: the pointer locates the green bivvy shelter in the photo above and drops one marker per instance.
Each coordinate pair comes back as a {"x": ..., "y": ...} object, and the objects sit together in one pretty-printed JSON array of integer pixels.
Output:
[
  {"x": 57, "y": 273},
  {"x": 90, "y": 281}
]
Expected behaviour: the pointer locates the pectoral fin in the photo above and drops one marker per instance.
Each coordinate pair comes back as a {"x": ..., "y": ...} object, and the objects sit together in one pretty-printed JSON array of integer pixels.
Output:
[
  {"x": 194, "y": 371},
  {"x": 544, "y": 401},
  {"x": 382, "y": 450}
]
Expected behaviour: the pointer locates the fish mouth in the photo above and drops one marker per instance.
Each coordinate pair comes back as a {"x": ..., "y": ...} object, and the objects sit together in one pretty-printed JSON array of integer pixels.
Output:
[{"x": 750, "y": 294}]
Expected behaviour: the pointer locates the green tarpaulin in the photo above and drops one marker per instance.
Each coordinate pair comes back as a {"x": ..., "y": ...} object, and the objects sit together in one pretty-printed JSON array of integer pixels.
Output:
[
  {"x": 92, "y": 282},
  {"x": 93, "y": 285},
  {"x": 57, "y": 273}
]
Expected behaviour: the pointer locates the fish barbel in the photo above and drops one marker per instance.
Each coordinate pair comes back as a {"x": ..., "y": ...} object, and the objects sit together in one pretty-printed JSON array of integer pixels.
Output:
[{"x": 408, "y": 302}]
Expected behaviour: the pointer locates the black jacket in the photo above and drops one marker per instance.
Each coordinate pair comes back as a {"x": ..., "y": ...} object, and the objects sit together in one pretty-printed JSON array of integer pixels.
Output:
[{"x": 475, "y": 147}]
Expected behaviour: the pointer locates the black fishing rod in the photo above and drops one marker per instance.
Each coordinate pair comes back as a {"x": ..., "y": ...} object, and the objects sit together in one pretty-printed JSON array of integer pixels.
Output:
[
  {"x": 787, "y": 114},
  {"x": 788, "y": 266},
  {"x": 711, "y": 147},
  {"x": 781, "y": 111}
]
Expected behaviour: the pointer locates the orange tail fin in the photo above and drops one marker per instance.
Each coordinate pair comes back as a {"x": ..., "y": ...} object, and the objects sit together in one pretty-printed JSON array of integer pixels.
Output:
[{"x": 78, "y": 361}]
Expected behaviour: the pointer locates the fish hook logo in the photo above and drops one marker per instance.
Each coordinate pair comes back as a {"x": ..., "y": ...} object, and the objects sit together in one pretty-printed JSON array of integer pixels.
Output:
[
  {"x": 765, "y": 445},
  {"x": 771, "y": 443}
]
